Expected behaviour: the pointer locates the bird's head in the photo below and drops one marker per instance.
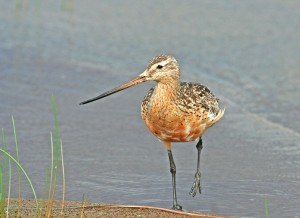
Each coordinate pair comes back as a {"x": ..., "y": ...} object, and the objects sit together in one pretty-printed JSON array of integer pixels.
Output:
[{"x": 162, "y": 68}]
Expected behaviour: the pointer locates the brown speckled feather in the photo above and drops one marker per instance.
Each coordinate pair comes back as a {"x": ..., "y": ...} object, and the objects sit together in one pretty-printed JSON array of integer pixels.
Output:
[{"x": 179, "y": 116}]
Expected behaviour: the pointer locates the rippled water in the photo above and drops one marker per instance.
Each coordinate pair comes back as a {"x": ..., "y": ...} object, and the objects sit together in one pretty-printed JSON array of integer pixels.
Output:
[{"x": 247, "y": 52}]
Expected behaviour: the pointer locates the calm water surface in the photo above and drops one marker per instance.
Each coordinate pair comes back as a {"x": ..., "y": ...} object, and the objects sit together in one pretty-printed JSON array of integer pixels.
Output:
[{"x": 247, "y": 52}]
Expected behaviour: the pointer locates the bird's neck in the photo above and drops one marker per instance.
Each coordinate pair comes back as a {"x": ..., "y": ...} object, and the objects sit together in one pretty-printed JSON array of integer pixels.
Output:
[{"x": 167, "y": 89}]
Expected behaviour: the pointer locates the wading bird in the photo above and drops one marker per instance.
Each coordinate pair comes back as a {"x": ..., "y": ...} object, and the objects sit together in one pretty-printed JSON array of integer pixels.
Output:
[{"x": 174, "y": 111}]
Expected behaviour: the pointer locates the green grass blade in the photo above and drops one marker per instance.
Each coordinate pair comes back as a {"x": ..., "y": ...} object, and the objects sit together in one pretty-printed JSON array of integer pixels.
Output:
[
  {"x": 9, "y": 185},
  {"x": 63, "y": 176},
  {"x": 2, "y": 196},
  {"x": 52, "y": 164},
  {"x": 266, "y": 206},
  {"x": 48, "y": 207},
  {"x": 3, "y": 184},
  {"x": 26, "y": 175},
  {"x": 56, "y": 127},
  {"x": 19, "y": 173},
  {"x": 3, "y": 178},
  {"x": 56, "y": 146}
]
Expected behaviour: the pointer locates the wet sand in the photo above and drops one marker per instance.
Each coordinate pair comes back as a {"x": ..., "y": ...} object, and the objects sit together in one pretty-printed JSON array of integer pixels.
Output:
[{"x": 91, "y": 210}]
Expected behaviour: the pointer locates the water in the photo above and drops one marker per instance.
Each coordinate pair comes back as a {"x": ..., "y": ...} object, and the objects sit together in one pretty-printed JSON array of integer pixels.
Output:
[{"x": 247, "y": 52}]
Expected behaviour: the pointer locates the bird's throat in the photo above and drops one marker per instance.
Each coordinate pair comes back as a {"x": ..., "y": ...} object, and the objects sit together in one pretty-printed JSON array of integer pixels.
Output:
[{"x": 167, "y": 90}]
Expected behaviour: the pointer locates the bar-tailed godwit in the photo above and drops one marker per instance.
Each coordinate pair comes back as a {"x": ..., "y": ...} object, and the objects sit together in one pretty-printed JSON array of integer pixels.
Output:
[{"x": 174, "y": 111}]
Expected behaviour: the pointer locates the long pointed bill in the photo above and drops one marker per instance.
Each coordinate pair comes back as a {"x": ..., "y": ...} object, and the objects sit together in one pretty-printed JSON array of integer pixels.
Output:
[{"x": 141, "y": 78}]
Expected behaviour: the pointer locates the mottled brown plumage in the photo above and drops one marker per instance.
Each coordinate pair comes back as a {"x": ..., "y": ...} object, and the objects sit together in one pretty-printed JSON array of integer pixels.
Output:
[{"x": 174, "y": 111}]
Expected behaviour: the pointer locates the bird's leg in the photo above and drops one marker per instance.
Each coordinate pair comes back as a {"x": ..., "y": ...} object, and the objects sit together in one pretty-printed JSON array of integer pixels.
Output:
[
  {"x": 197, "y": 182},
  {"x": 176, "y": 206}
]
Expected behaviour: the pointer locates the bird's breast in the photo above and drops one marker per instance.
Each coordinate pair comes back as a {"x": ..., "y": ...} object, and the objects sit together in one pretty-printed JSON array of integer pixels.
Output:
[
  {"x": 179, "y": 114},
  {"x": 168, "y": 123}
]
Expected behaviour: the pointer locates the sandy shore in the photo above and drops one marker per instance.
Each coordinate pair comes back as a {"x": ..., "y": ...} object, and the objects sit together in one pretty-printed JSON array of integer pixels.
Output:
[{"x": 78, "y": 209}]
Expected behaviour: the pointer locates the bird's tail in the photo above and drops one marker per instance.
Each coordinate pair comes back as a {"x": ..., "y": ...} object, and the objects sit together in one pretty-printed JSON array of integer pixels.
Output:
[{"x": 217, "y": 117}]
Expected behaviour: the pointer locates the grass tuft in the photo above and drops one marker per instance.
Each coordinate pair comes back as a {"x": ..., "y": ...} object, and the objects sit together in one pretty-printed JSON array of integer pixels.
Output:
[
  {"x": 24, "y": 172},
  {"x": 46, "y": 208}
]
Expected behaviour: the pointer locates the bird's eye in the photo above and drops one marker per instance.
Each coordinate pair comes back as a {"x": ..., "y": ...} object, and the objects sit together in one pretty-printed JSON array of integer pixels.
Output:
[{"x": 159, "y": 66}]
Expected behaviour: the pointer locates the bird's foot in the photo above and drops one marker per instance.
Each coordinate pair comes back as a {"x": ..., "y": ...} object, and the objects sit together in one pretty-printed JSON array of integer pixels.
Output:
[
  {"x": 196, "y": 185},
  {"x": 177, "y": 207}
]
